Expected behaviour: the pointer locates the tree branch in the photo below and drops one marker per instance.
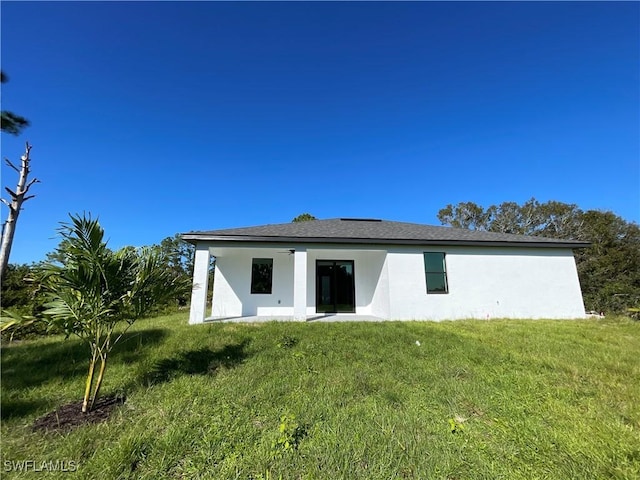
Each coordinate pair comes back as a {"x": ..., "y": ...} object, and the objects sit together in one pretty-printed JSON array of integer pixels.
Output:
[
  {"x": 12, "y": 165},
  {"x": 27, "y": 198},
  {"x": 11, "y": 192},
  {"x": 35, "y": 180}
]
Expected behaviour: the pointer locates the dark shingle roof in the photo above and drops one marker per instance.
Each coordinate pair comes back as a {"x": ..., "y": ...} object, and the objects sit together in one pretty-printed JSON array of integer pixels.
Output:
[{"x": 370, "y": 231}]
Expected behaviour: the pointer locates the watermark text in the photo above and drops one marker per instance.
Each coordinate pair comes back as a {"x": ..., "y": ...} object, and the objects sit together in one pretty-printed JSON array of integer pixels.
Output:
[{"x": 40, "y": 466}]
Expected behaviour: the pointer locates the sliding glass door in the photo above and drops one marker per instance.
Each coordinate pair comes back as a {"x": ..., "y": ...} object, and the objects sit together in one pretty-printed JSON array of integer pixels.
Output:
[{"x": 335, "y": 286}]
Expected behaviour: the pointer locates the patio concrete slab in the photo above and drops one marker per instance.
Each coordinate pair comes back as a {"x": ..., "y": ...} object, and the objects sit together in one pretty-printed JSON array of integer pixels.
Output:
[{"x": 340, "y": 317}]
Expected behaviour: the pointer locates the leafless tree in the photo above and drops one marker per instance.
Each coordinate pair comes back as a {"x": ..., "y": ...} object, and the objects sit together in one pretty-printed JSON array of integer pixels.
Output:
[{"x": 17, "y": 198}]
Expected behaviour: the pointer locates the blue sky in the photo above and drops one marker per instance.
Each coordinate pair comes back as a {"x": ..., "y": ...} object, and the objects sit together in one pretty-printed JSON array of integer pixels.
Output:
[{"x": 169, "y": 117}]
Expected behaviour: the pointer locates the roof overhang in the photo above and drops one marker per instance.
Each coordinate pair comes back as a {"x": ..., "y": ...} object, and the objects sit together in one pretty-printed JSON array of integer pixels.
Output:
[{"x": 194, "y": 238}]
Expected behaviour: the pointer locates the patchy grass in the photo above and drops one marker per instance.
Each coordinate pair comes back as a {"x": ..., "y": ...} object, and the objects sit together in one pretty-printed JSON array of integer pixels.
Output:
[{"x": 474, "y": 400}]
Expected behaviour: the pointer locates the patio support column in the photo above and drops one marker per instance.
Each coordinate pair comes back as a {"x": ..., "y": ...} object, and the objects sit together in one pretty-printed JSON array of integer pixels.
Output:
[
  {"x": 300, "y": 284},
  {"x": 200, "y": 283}
]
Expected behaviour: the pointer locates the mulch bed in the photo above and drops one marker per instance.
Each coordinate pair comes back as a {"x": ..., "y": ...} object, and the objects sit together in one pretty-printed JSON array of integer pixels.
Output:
[{"x": 69, "y": 416}]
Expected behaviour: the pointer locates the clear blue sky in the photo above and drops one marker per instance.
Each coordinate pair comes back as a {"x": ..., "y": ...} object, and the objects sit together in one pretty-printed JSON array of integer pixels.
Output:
[{"x": 169, "y": 117}]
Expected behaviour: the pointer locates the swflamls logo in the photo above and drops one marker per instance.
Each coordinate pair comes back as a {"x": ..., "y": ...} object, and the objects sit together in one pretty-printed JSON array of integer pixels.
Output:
[{"x": 40, "y": 466}]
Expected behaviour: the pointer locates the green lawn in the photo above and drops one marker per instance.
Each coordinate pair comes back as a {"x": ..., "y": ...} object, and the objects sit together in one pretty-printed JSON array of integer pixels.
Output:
[{"x": 526, "y": 400}]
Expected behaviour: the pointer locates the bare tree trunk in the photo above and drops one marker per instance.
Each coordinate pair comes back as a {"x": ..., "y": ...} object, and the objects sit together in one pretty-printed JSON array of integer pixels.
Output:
[{"x": 17, "y": 199}]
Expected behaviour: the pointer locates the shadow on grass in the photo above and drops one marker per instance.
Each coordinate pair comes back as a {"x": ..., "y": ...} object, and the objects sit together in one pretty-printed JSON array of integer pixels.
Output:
[
  {"x": 26, "y": 365},
  {"x": 20, "y": 408},
  {"x": 202, "y": 361}
]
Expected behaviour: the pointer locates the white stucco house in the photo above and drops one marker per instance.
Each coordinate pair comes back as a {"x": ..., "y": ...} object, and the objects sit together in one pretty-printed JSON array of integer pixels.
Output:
[{"x": 382, "y": 269}]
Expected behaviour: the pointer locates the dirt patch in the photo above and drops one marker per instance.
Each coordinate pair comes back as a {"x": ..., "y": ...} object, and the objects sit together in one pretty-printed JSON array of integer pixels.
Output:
[{"x": 70, "y": 416}]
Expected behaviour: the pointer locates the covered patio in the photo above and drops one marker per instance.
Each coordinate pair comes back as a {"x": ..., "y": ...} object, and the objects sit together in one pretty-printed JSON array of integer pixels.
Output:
[{"x": 306, "y": 283}]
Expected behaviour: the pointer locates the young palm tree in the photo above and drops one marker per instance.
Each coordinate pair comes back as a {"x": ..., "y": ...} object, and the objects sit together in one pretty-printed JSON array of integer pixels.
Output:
[{"x": 95, "y": 290}]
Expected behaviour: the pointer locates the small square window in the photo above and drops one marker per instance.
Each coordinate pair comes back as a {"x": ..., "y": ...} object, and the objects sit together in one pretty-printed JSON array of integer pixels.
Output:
[
  {"x": 261, "y": 275},
  {"x": 435, "y": 270}
]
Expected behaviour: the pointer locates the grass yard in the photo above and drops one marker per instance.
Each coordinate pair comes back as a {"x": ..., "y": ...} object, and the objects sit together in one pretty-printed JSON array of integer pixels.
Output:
[{"x": 499, "y": 399}]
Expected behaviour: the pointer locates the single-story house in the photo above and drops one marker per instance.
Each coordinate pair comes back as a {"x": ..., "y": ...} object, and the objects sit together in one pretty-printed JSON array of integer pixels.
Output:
[{"x": 383, "y": 269}]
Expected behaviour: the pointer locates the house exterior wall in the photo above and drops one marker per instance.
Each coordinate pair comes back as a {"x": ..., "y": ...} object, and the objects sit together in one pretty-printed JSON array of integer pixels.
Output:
[
  {"x": 232, "y": 295},
  {"x": 487, "y": 282},
  {"x": 484, "y": 282}
]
